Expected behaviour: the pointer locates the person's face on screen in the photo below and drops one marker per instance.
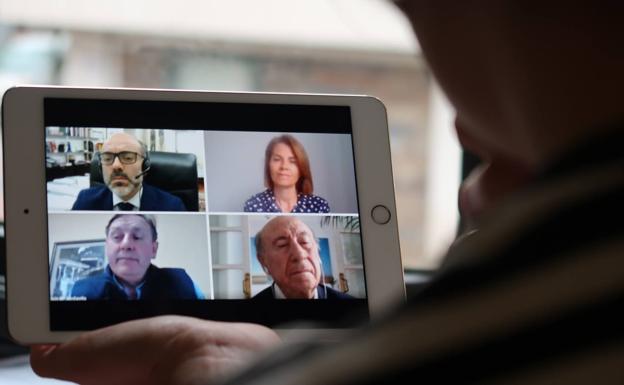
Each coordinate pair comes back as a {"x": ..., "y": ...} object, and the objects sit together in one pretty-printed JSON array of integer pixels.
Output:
[
  {"x": 121, "y": 178},
  {"x": 130, "y": 247},
  {"x": 283, "y": 166},
  {"x": 291, "y": 256}
]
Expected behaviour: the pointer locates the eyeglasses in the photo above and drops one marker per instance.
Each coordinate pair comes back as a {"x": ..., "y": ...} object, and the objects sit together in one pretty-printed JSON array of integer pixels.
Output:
[{"x": 125, "y": 157}]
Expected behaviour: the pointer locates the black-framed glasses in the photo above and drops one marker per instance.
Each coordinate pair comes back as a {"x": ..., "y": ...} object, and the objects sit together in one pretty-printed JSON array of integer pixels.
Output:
[{"x": 125, "y": 157}]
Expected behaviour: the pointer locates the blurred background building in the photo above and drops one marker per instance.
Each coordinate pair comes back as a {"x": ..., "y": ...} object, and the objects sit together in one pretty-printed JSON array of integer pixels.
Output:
[{"x": 320, "y": 46}]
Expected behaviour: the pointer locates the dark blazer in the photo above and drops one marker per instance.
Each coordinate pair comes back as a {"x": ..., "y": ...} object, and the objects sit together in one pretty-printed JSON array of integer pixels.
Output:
[
  {"x": 331, "y": 293},
  {"x": 152, "y": 199},
  {"x": 159, "y": 283}
]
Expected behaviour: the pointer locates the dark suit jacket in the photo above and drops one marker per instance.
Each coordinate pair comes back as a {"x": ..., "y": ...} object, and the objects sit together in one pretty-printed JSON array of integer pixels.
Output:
[
  {"x": 159, "y": 283},
  {"x": 152, "y": 199},
  {"x": 331, "y": 293}
]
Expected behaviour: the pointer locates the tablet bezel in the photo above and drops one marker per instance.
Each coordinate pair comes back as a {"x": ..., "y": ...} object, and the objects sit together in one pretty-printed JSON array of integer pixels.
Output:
[{"x": 25, "y": 196}]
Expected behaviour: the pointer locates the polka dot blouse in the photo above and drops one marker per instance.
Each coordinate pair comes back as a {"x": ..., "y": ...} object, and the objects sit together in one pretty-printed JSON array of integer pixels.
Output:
[{"x": 264, "y": 202}]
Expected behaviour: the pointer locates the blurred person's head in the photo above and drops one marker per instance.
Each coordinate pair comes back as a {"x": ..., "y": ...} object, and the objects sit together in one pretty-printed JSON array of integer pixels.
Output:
[
  {"x": 286, "y": 165},
  {"x": 529, "y": 79},
  {"x": 287, "y": 250},
  {"x": 122, "y": 158},
  {"x": 131, "y": 244}
]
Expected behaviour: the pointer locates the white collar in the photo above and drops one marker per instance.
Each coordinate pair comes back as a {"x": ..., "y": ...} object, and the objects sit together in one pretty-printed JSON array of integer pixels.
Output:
[{"x": 135, "y": 200}]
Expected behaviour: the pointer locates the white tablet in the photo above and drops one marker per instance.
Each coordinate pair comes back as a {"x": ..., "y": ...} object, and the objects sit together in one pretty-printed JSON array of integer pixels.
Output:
[{"x": 124, "y": 203}]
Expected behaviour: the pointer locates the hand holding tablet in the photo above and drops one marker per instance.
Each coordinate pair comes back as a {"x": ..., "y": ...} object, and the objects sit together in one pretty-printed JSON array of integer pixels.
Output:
[
  {"x": 140, "y": 206},
  {"x": 132, "y": 353}
]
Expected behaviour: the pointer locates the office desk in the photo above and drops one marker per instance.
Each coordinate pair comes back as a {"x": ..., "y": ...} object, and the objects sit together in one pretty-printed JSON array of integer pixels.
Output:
[{"x": 63, "y": 192}]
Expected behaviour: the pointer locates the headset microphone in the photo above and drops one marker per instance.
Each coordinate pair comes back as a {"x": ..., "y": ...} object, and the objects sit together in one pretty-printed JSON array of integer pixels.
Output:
[
  {"x": 142, "y": 173},
  {"x": 147, "y": 162}
]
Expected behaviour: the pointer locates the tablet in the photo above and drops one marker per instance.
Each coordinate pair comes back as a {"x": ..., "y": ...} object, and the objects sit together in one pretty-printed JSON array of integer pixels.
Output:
[{"x": 125, "y": 203}]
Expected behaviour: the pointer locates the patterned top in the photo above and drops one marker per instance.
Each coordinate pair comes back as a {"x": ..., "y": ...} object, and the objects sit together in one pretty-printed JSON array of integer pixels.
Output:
[{"x": 264, "y": 202}]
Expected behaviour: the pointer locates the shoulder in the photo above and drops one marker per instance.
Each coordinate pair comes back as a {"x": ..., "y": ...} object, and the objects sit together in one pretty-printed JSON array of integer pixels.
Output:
[
  {"x": 313, "y": 204},
  {"x": 90, "y": 287},
  {"x": 170, "y": 272},
  {"x": 168, "y": 283},
  {"x": 264, "y": 294},
  {"x": 156, "y": 199},
  {"x": 259, "y": 202},
  {"x": 94, "y": 191},
  {"x": 172, "y": 275},
  {"x": 93, "y": 198},
  {"x": 89, "y": 281},
  {"x": 335, "y": 294}
]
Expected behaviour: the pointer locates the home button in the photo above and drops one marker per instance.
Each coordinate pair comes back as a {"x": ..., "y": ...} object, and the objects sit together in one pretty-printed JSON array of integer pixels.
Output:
[{"x": 380, "y": 214}]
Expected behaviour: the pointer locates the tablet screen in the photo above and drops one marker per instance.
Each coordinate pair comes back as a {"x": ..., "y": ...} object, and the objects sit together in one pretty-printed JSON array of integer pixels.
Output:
[{"x": 224, "y": 211}]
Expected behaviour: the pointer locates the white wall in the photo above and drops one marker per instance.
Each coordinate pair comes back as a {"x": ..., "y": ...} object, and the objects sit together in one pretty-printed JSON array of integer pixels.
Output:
[{"x": 443, "y": 178}]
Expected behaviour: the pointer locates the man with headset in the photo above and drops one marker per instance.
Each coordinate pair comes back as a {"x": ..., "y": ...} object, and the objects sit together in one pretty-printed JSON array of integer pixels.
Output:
[
  {"x": 287, "y": 250},
  {"x": 125, "y": 161}
]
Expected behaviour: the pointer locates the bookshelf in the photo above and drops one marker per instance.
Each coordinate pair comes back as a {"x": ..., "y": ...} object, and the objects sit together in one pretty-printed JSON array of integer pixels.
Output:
[
  {"x": 69, "y": 150},
  {"x": 229, "y": 242}
]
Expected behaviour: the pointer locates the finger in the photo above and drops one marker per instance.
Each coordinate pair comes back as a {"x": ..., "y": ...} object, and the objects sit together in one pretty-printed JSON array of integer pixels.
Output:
[
  {"x": 127, "y": 350},
  {"x": 39, "y": 358}
]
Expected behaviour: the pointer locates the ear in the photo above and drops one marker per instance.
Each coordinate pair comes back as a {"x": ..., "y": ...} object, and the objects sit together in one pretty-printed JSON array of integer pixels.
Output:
[
  {"x": 154, "y": 248},
  {"x": 261, "y": 260}
]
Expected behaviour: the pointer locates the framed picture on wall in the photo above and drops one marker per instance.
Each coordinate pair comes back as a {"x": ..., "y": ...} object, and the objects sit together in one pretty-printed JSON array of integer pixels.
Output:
[{"x": 72, "y": 261}]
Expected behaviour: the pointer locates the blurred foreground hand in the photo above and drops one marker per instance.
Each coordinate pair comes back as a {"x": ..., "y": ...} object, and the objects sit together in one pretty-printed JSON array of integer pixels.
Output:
[{"x": 161, "y": 350}]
